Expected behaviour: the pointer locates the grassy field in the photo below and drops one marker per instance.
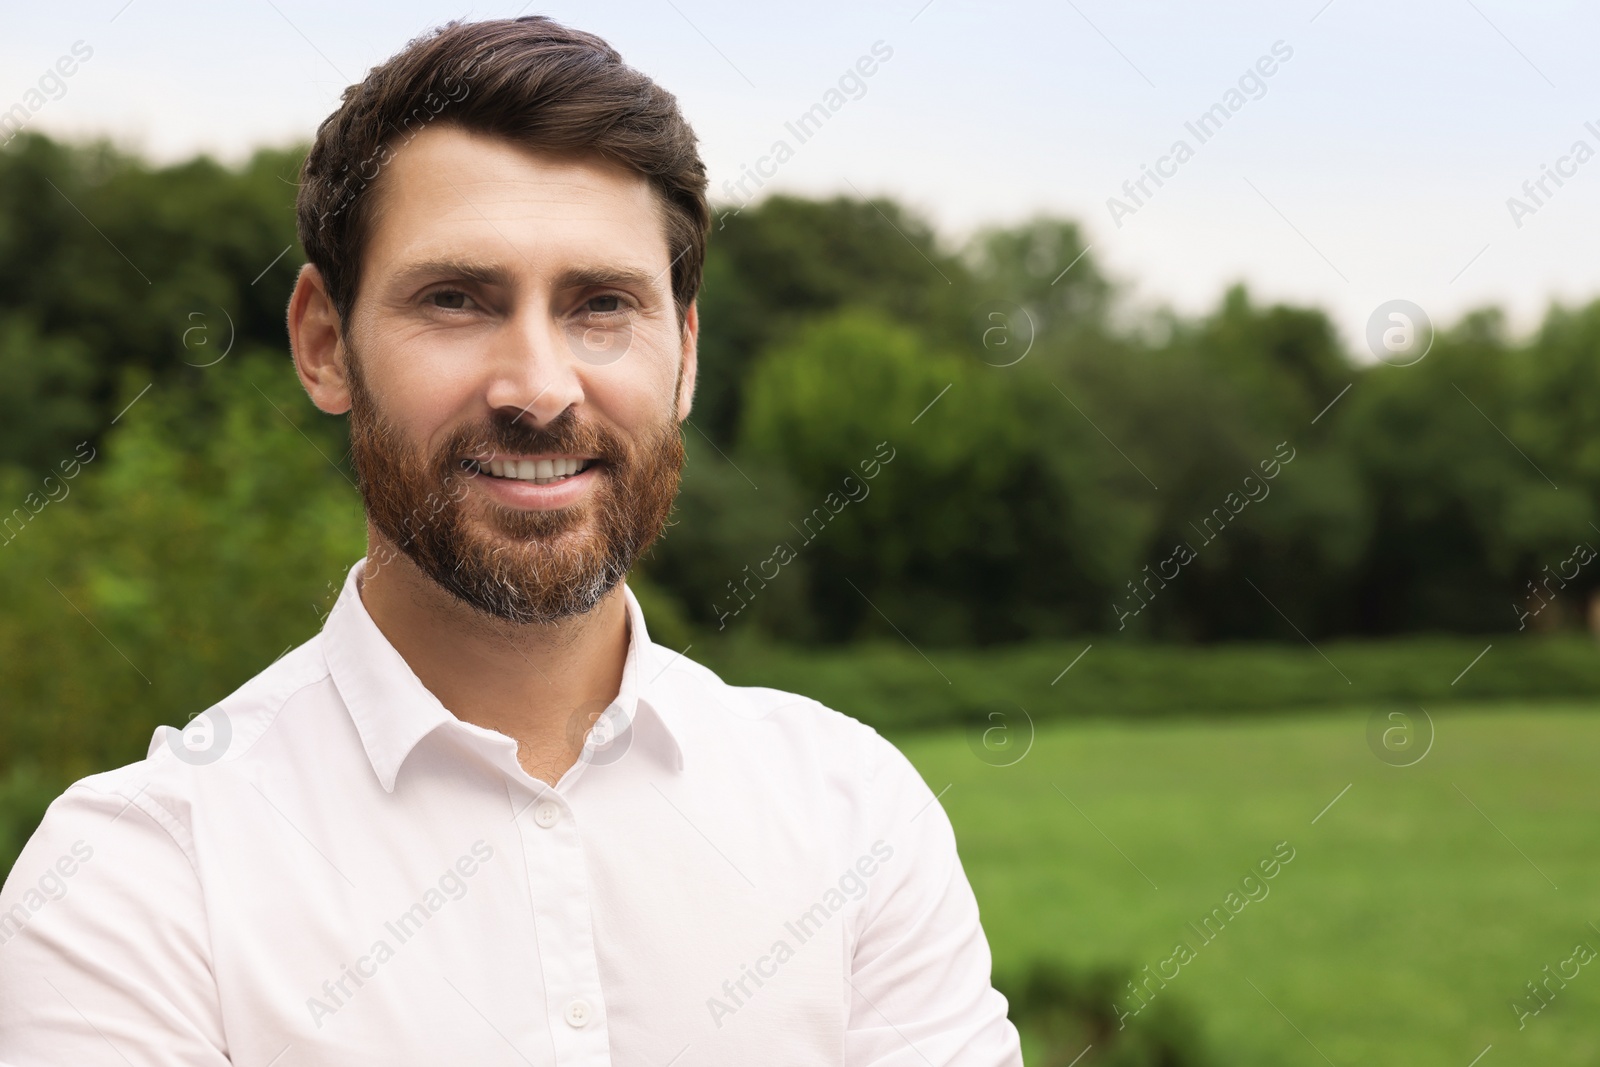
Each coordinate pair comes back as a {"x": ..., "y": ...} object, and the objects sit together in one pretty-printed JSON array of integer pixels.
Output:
[{"x": 1414, "y": 911}]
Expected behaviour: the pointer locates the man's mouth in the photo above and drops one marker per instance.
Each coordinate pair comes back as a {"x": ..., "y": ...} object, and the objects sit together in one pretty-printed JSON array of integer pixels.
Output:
[{"x": 545, "y": 470}]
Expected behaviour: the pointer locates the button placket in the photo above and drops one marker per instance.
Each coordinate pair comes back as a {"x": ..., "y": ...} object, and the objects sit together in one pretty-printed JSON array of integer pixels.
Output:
[{"x": 558, "y": 881}]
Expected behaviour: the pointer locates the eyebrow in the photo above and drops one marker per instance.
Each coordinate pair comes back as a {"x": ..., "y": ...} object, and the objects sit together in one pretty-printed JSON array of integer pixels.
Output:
[
  {"x": 466, "y": 270},
  {"x": 490, "y": 274}
]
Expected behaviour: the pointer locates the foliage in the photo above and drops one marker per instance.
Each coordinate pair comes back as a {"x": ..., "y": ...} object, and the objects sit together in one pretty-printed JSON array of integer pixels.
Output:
[
  {"x": 771, "y": 268},
  {"x": 1050, "y": 453},
  {"x": 896, "y": 688},
  {"x": 1074, "y": 1017},
  {"x": 206, "y": 536}
]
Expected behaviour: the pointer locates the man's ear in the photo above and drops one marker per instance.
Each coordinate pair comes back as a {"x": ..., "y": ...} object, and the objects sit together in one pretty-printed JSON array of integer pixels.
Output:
[
  {"x": 317, "y": 341},
  {"x": 690, "y": 364}
]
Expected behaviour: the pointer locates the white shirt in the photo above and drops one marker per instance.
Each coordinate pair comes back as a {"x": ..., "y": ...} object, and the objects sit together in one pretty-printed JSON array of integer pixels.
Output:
[{"x": 330, "y": 868}]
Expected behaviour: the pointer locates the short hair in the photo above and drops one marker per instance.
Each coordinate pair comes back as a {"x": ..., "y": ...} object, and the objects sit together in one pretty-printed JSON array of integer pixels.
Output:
[{"x": 531, "y": 81}]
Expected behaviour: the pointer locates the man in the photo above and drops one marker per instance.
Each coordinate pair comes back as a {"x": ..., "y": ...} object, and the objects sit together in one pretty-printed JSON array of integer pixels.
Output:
[{"x": 481, "y": 818}]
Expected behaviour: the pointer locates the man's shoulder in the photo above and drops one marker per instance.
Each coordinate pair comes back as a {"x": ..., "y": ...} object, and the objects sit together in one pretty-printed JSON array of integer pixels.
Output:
[
  {"x": 228, "y": 729},
  {"x": 688, "y": 679},
  {"x": 212, "y": 737},
  {"x": 792, "y": 722}
]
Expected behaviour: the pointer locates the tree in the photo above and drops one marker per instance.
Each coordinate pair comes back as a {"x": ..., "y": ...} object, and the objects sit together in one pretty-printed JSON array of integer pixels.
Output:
[{"x": 773, "y": 266}]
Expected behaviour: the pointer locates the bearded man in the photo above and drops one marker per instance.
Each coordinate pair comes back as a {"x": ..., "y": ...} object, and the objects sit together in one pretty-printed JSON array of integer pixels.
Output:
[{"x": 481, "y": 818}]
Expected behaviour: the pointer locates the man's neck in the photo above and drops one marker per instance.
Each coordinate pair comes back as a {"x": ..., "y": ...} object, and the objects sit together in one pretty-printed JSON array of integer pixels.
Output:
[{"x": 542, "y": 685}]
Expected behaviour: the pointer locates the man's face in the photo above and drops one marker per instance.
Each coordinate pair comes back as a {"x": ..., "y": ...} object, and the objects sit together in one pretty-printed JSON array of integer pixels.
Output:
[{"x": 517, "y": 372}]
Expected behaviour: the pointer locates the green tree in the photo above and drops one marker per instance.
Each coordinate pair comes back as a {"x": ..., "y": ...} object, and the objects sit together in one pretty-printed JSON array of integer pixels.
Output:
[
  {"x": 773, "y": 266},
  {"x": 205, "y": 536},
  {"x": 135, "y": 266},
  {"x": 957, "y": 535},
  {"x": 1460, "y": 511}
]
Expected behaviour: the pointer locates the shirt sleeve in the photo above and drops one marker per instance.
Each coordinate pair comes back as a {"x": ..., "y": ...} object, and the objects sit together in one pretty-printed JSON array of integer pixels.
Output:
[
  {"x": 920, "y": 986},
  {"x": 104, "y": 949}
]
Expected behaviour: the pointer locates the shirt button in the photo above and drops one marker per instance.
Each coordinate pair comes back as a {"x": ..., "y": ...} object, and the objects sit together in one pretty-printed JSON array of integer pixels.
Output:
[
  {"x": 547, "y": 815},
  {"x": 579, "y": 1013}
]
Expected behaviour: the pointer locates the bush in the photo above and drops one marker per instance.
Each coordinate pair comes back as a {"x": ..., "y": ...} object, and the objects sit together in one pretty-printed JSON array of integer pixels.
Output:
[
  {"x": 896, "y": 687},
  {"x": 1070, "y": 1018}
]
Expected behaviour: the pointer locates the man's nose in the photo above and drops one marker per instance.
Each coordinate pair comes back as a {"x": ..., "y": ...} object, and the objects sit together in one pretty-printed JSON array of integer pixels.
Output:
[{"x": 536, "y": 375}]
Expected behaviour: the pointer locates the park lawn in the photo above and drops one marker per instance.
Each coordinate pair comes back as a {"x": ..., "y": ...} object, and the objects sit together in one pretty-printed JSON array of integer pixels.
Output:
[{"x": 1400, "y": 932}]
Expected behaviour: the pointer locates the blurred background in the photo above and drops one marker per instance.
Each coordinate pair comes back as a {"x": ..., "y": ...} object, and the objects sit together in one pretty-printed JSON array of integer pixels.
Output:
[{"x": 1172, "y": 424}]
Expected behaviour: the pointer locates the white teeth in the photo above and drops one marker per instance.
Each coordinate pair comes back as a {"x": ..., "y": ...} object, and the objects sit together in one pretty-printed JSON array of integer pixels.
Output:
[{"x": 537, "y": 471}]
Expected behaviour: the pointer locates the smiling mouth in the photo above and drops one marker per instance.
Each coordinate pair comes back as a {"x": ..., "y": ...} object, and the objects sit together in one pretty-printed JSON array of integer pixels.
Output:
[{"x": 536, "y": 471}]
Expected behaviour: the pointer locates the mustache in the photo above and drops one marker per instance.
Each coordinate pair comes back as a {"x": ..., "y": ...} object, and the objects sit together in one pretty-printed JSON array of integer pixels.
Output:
[{"x": 510, "y": 433}]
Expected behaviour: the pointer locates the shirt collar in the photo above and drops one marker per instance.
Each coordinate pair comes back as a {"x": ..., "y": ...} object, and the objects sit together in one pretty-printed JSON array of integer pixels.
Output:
[{"x": 393, "y": 711}]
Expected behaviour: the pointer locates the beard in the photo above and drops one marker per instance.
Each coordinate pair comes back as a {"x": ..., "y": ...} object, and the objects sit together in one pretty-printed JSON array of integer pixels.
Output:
[{"x": 516, "y": 565}]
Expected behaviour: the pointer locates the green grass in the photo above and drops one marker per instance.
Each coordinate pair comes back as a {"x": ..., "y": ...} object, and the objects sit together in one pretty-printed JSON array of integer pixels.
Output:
[{"x": 1400, "y": 932}]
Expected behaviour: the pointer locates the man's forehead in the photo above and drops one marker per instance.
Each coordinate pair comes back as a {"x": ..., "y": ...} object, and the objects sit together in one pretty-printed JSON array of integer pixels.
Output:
[{"x": 450, "y": 189}]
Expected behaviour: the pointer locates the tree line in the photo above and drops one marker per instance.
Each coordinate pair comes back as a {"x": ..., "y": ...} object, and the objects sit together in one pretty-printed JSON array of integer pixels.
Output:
[{"x": 1046, "y": 460}]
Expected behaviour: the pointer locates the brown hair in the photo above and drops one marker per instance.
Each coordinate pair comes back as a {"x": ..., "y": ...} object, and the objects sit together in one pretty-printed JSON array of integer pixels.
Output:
[{"x": 529, "y": 80}]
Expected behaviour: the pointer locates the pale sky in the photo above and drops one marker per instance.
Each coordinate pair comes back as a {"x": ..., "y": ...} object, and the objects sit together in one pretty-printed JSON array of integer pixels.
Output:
[{"x": 1374, "y": 163}]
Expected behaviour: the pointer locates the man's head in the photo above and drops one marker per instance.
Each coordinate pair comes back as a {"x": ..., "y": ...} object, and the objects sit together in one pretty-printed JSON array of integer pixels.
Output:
[{"x": 506, "y": 228}]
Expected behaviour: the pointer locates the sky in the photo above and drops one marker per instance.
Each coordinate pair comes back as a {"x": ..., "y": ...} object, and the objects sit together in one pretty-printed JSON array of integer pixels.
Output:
[{"x": 1378, "y": 160}]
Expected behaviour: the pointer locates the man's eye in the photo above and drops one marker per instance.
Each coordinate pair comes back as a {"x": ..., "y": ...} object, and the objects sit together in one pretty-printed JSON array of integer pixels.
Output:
[
  {"x": 603, "y": 304},
  {"x": 449, "y": 299}
]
